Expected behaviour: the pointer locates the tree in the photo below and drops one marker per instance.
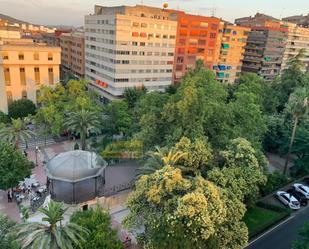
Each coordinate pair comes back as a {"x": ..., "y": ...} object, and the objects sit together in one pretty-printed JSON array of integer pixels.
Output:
[
  {"x": 291, "y": 78},
  {"x": 133, "y": 94},
  {"x": 118, "y": 119},
  {"x": 16, "y": 132},
  {"x": 14, "y": 166},
  {"x": 52, "y": 233},
  {"x": 83, "y": 122},
  {"x": 298, "y": 107},
  {"x": 98, "y": 222},
  {"x": 21, "y": 108},
  {"x": 7, "y": 239},
  {"x": 303, "y": 242},
  {"x": 4, "y": 118},
  {"x": 173, "y": 211}
]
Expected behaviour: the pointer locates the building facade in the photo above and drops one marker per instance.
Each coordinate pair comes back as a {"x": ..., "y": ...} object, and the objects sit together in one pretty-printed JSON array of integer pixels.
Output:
[
  {"x": 297, "y": 39},
  {"x": 300, "y": 20},
  {"x": 264, "y": 51},
  {"x": 24, "y": 67},
  {"x": 197, "y": 39},
  {"x": 233, "y": 41},
  {"x": 73, "y": 54},
  {"x": 129, "y": 47},
  {"x": 8, "y": 32}
]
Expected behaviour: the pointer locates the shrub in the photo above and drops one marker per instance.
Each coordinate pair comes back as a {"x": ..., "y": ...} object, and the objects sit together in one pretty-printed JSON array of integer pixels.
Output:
[
  {"x": 21, "y": 108},
  {"x": 275, "y": 181}
]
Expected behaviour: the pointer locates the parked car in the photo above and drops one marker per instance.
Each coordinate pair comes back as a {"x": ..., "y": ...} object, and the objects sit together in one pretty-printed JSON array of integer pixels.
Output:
[
  {"x": 299, "y": 196},
  {"x": 302, "y": 189},
  {"x": 288, "y": 200}
]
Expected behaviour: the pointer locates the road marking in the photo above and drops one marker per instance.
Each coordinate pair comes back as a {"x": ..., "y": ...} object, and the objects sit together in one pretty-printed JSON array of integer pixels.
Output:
[{"x": 270, "y": 230}]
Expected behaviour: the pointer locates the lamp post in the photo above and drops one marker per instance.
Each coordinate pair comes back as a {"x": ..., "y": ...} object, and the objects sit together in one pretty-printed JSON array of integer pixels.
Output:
[{"x": 36, "y": 155}]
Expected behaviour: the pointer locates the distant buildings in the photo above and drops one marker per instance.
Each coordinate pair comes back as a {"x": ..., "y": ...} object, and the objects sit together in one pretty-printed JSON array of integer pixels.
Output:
[
  {"x": 129, "y": 47},
  {"x": 53, "y": 39},
  {"x": 24, "y": 67},
  {"x": 72, "y": 54},
  {"x": 271, "y": 44},
  {"x": 9, "y": 32},
  {"x": 300, "y": 20}
]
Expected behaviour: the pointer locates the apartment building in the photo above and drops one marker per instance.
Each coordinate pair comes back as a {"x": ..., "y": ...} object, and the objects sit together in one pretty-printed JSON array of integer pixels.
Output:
[
  {"x": 129, "y": 47},
  {"x": 258, "y": 20},
  {"x": 264, "y": 51},
  {"x": 9, "y": 32},
  {"x": 197, "y": 38},
  {"x": 300, "y": 20},
  {"x": 297, "y": 39},
  {"x": 53, "y": 39},
  {"x": 72, "y": 54},
  {"x": 24, "y": 67},
  {"x": 233, "y": 42}
]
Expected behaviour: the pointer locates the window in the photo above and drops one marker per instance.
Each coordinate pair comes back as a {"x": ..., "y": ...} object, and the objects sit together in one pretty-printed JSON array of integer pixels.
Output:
[
  {"x": 134, "y": 43},
  {"x": 214, "y": 26},
  {"x": 144, "y": 25},
  {"x": 24, "y": 94},
  {"x": 22, "y": 76},
  {"x": 204, "y": 24},
  {"x": 135, "y": 24},
  {"x": 5, "y": 56},
  {"x": 172, "y": 36},
  {"x": 50, "y": 56},
  {"x": 142, "y": 44},
  {"x": 213, "y": 35},
  {"x": 37, "y": 75},
  {"x": 164, "y": 36},
  {"x": 9, "y": 97},
  {"x": 7, "y": 76},
  {"x": 50, "y": 76},
  {"x": 210, "y": 52},
  {"x": 36, "y": 56},
  {"x": 21, "y": 56}
]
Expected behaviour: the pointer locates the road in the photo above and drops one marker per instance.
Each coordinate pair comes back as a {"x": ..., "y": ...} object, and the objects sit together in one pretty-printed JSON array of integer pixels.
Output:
[{"x": 282, "y": 236}]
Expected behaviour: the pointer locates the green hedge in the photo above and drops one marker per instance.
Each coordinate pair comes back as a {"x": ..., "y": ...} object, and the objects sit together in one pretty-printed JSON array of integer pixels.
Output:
[{"x": 254, "y": 218}]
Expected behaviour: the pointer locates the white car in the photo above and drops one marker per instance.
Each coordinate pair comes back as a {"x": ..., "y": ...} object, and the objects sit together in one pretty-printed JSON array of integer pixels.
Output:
[
  {"x": 302, "y": 189},
  {"x": 288, "y": 200}
]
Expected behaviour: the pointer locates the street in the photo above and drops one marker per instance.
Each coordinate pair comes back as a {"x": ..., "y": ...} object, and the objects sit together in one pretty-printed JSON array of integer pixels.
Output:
[{"x": 282, "y": 236}]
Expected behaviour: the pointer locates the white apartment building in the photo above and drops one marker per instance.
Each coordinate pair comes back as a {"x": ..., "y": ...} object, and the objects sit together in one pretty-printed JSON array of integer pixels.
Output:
[
  {"x": 129, "y": 47},
  {"x": 298, "y": 38}
]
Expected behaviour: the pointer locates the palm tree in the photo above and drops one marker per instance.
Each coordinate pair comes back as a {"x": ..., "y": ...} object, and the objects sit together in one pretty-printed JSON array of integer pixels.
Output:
[
  {"x": 160, "y": 158},
  {"x": 298, "y": 107},
  {"x": 82, "y": 122},
  {"x": 50, "y": 233},
  {"x": 16, "y": 132}
]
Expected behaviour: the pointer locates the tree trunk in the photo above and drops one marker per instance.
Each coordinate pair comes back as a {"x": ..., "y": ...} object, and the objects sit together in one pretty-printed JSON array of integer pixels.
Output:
[
  {"x": 83, "y": 140},
  {"x": 290, "y": 146}
]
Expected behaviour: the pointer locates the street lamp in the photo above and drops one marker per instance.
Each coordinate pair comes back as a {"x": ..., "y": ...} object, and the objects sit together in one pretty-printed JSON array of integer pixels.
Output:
[{"x": 36, "y": 155}]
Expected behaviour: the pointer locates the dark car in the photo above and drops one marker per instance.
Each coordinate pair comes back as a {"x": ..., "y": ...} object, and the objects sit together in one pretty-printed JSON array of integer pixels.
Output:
[{"x": 299, "y": 196}]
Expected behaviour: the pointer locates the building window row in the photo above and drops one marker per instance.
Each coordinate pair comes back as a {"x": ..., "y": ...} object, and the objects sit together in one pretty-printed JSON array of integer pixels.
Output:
[
  {"x": 21, "y": 56},
  {"x": 152, "y": 35}
]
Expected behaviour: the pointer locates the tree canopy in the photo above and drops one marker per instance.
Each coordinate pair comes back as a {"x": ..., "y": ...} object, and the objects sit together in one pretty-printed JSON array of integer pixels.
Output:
[
  {"x": 14, "y": 166},
  {"x": 98, "y": 222},
  {"x": 21, "y": 108}
]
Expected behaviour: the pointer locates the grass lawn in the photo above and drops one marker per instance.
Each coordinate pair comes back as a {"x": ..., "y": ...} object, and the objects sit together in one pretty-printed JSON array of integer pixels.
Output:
[{"x": 257, "y": 219}]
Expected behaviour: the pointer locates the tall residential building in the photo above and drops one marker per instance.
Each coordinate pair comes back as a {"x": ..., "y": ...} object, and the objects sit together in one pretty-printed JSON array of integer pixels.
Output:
[
  {"x": 197, "y": 38},
  {"x": 233, "y": 42},
  {"x": 129, "y": 47},
  {"x": 297, "y": 39},
  {"x": 258, "y": 20},
  {"x": 300, "y": 20},
  {"x": 72, "y": 54},
  {"x": 264, "y": 51},
  {"x": 24, "y": 67}
]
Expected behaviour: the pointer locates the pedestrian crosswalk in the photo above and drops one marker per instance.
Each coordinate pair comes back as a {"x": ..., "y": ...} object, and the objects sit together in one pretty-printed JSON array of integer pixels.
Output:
[{"x": 39, "y": 141}]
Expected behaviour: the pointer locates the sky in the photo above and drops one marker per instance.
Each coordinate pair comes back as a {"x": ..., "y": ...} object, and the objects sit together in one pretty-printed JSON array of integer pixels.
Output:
[{"x": 69, "y": 12}]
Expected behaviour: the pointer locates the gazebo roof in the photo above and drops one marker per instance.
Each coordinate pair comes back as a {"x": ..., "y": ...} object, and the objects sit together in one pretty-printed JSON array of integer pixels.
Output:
[{"x": 75, "y": 166}]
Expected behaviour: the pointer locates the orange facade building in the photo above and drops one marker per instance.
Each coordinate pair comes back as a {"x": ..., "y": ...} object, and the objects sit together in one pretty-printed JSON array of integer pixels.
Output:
[
  {"x": 233, "y": 43},
  {"x": 197, "y": 38}
]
